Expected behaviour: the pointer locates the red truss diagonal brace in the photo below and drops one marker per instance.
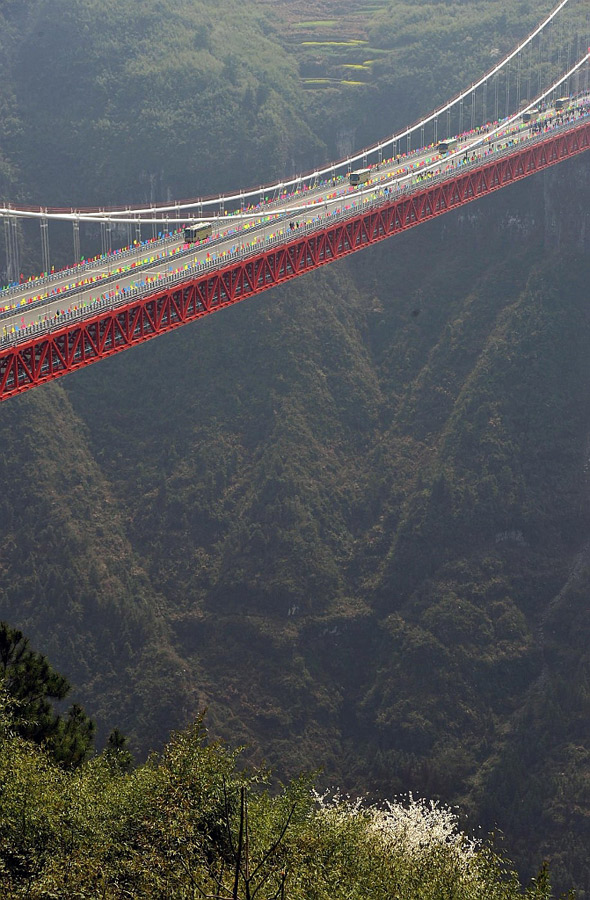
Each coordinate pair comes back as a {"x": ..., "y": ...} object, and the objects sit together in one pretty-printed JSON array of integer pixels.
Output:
[{"x": 69, "y": 347}]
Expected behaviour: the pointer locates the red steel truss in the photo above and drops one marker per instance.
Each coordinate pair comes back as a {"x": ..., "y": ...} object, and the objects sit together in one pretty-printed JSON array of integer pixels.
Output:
[{"x": 71, "y": 346}]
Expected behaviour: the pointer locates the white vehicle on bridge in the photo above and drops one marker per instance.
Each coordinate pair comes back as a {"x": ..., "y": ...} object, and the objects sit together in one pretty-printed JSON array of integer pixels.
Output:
[
  {"x": 361, "y": 176},
  {"x": 447, "y": 146},
  {"x": 197, "y": 232}
]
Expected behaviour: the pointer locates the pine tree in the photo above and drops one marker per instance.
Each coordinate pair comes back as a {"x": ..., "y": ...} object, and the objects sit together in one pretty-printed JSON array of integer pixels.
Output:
[{"x": 32, "y": 684}]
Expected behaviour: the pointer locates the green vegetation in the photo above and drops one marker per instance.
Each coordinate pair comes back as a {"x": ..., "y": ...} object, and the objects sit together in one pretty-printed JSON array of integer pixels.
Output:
[
  {"x": 331, "y": 43},
  {"x": 190, "y": 823},
  {"x": 318, "y": 82},
  {"x": 318, "y": 23}
]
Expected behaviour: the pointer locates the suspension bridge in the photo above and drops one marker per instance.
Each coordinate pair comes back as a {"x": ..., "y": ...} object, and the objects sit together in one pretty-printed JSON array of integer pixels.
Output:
[{"x": 260, "y": 238}]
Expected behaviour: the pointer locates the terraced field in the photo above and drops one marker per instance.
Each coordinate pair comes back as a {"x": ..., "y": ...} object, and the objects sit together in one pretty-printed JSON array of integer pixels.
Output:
[{"x": 331, "y": 40}]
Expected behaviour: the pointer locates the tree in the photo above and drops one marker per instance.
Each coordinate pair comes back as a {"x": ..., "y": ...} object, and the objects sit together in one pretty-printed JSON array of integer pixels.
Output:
[
  {"x": 117, "y": 751},
  {"x": 32, "y": 683},
  {"x": 246, "y": 873}
]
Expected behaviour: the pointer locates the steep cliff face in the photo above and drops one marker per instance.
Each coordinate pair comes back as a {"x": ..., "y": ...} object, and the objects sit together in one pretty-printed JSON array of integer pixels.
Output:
[
  {"x": 567, "y": 213},
  {"x": 484, "y": 562},
  {"x": 69, "y": 577}
]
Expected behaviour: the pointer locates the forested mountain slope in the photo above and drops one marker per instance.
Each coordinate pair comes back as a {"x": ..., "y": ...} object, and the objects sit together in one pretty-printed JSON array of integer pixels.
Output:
[{"x": 349, "y": 517}]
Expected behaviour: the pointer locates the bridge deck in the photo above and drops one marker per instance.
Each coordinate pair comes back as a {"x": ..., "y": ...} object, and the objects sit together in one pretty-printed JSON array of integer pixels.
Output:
[{"x": 50, "y": 354}]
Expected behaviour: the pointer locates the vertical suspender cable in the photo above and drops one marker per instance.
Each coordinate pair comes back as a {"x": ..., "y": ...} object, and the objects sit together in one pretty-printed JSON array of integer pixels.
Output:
[
  {"x": 76, "y": 236},
  {"x": 15, "y": 248},
  {"x": 45, "y": 245}
]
